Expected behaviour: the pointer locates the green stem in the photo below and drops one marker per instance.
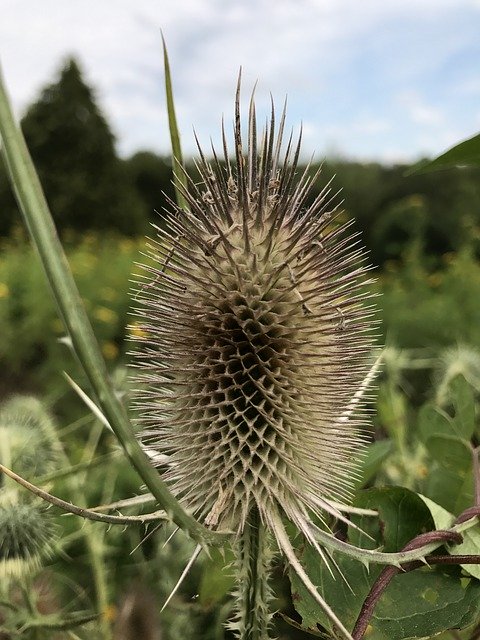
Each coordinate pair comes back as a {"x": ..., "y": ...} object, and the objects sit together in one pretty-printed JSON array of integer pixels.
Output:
[
  {"x": 396, "y": 559},
  {"x": 42, "y": 230},
  {"x": 28, "y": 592},
  {"x": 253, "y": 592},
  {"x": 93, "y": 536},
  {"x": 94, "y": 543}
]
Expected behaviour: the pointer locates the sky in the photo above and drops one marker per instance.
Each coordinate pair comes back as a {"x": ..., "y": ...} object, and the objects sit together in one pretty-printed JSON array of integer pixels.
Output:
[{"x": 386, "y": 80}]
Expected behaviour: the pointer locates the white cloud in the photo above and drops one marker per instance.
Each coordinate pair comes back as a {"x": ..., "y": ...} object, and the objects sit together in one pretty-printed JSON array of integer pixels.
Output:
[
  {"x": 310, "y": 49},
  {"x": 419, "y": 111}
]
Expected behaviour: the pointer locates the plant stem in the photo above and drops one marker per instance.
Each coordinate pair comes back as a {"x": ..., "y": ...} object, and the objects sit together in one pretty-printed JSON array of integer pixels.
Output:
[
  {"x": 28, "y": 592},
  {"x": 253, "y": 592},
  {"x": 386, "y": 576},
  {"x": 93, "y": 536}
]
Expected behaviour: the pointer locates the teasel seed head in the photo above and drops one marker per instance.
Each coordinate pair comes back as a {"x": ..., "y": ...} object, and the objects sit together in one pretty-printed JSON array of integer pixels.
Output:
[{"x": 255, "y": 338}]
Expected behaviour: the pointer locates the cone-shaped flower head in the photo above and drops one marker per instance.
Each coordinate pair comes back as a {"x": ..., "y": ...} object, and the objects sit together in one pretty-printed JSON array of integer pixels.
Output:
[{"x": 254, "y": 339}]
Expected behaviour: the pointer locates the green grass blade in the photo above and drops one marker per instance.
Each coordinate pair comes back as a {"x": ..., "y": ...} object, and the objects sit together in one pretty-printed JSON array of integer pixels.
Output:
[
  {"x": 179, "y": 177},
  {"x": 44, "y": 236}
]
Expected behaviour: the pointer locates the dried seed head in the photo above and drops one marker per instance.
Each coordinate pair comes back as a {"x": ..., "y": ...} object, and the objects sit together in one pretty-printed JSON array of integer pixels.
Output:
[{"x": 254, "y": 338}]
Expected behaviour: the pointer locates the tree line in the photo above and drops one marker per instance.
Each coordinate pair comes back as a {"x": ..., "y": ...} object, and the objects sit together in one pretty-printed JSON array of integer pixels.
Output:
[{"x": 89, "y": 187}]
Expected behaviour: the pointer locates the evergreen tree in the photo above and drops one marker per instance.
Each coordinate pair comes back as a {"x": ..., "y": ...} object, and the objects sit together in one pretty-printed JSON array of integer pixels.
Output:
[
  {"x": 74, "y": 152},
  {"x": 152, "y": 176}
]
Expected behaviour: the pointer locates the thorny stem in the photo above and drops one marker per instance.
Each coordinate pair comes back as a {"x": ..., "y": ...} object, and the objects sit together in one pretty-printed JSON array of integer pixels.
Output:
[
  {"x": 253, "y": 592},
  {"x": 468, "y": 514},
  {"x": 81, "y": 511},
  {"x": 395, "y": 558},
  {"x": 54, "y": 624},
  {"x": 389, "y": 573}
]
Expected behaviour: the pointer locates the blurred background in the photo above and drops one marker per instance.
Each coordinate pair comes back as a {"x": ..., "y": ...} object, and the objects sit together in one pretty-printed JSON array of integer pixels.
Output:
[{"x": 376, "y": 86}]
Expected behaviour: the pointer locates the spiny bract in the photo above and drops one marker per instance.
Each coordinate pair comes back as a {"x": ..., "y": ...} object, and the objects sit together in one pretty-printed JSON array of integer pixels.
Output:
[{"x": 254, "y": 340}]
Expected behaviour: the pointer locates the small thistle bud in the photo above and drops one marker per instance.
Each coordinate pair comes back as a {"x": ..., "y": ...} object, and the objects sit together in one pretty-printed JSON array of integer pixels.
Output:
[
  {"x": 26, "y": 534},
  {"x": 28, "y": 442},
  {"x": 254, "y": 339}
]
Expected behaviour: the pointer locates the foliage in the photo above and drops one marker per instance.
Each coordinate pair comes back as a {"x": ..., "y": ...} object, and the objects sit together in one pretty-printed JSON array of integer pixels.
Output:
[
  {"x": 151, "y": 176},
  {"x": 428, "y": 308},
  {"x": 33, "y": 351},
  {"x": 430, "y": 450}
]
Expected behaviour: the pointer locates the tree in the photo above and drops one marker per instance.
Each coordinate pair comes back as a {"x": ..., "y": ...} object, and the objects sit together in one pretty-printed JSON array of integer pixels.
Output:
[
  {"x": 152, "y": 176},
  {"x": 74, "y": 151}
]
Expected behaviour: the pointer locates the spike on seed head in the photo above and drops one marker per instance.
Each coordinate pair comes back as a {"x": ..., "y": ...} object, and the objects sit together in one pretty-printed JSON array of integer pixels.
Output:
[{"x": 254, "y": 340}]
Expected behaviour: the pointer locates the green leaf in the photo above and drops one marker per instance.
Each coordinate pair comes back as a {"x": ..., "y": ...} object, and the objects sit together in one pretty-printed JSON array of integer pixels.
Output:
[
  {"x": 464, "y": 404},
  {"x": 345, "y": 599},
  {"x": 450, "y": 478},
  {"x": 471, "y": 538},
  {"x": 376, "y": 453},
  {"x": 469, "y": 546},
  {"x": 432, "y": 422},
  {"x": 442, "y": 518},
  {"x": 464, "y": 154},
  {"x": 451, "y": 452},
  {"x": 422, "y": 603},
  {"x": 418, "y": 604},
  {"x": 451, "y": 489},
  {"x": 402, "y": 516},
  {"x": 217, "y": 578}
]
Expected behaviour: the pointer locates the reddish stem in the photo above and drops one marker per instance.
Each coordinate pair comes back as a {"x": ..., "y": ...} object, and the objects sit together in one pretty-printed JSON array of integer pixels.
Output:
[{"x": 386, "y": 575}]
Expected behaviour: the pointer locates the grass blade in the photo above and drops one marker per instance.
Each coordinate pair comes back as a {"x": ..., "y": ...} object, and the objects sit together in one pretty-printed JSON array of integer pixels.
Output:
[
  {"x": 179, "y": 177},
  {"x": 464, "y": 154}
]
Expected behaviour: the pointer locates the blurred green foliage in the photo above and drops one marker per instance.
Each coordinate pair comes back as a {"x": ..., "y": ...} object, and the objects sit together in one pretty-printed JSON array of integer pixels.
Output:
[
  {"x": 89, "y": 187},
  {"x": 33, "y": 352},
  {"x": 421, "y": 306}
]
